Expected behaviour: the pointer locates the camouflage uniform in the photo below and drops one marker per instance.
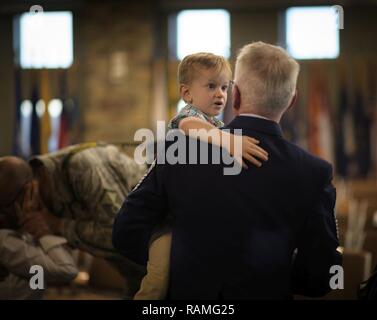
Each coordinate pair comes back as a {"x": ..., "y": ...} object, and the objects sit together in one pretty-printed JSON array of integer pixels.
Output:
[{"x": 90, "y": 183}]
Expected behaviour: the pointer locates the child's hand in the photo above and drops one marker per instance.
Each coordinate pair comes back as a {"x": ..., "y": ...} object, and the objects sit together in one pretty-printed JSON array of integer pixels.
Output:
[{"x": 249, "y": 150}]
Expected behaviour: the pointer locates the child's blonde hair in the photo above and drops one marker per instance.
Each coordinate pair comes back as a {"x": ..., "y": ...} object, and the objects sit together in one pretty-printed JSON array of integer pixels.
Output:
[{"x": 190, "y": 65}]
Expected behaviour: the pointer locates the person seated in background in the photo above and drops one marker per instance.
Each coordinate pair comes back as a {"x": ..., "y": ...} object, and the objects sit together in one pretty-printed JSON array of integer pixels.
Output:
[
  {"x": 79, "y": 191},
  {"x": 26, "y": 241}
]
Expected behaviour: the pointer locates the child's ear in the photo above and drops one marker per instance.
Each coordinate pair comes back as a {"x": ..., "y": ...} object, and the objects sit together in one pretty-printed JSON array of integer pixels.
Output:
[{"x": 185, "y": 93}]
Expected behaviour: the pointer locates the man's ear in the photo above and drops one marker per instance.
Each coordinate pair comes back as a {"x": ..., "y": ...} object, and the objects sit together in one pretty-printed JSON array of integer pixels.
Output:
[
  {"x": 236, "y": 99},
  {"x": 293, "y": 100},
  {"x": 184, "y": 90}
]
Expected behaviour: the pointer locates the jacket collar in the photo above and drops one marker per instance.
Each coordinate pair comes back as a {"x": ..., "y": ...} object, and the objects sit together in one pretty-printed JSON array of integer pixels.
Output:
[{"x": 256, "y": 124}]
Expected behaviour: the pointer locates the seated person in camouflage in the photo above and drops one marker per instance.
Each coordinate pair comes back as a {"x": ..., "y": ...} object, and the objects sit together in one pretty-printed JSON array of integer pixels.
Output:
[{"x": 81, "y": 190}]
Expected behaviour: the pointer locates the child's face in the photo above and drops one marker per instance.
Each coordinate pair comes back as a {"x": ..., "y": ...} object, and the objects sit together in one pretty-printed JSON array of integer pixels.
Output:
[{"x": 208, "y": 92}]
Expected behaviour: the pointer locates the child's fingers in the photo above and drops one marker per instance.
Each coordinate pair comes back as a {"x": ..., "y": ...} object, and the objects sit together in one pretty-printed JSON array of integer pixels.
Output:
[
  {"x": 250, "y": 142},
  {"x": 262, "y": 151},
  {"x": 256, "y": 153},
  {"x": 253, "y": 160}
]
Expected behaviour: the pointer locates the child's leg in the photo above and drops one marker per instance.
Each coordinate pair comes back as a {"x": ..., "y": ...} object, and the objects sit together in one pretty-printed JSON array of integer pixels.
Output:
[{"x": 155, "y": 283}]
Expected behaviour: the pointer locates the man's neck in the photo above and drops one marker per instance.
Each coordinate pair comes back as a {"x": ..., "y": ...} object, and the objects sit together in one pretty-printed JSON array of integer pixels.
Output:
[{"x": 254, "y": 115}]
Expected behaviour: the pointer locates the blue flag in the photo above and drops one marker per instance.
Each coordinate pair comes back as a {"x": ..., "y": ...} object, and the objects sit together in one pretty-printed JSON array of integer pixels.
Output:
[
  {"x": 363, "y": 123},
  {"x": 17, "y": 124},
  {"x": 35, "y": 125},
  {"x": 340, "y": 150}
]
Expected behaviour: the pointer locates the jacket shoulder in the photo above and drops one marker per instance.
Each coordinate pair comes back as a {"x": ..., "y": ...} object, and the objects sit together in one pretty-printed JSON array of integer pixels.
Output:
[{"x": 312, "y": 164}]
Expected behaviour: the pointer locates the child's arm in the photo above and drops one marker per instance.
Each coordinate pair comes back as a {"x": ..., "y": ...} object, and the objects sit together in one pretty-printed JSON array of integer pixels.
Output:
[{"x": 197, "y": 128}]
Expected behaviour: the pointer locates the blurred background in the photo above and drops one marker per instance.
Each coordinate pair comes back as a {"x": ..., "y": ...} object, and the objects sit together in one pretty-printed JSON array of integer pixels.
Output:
[{"x": 89, "y": 70}]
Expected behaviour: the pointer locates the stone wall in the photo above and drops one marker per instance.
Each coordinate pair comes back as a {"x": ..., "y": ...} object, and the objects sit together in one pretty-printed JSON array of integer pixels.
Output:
[{"x": 114, "y": 55}]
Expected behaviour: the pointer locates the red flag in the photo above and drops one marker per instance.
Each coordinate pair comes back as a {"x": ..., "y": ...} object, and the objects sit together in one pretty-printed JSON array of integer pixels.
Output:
[
  {"x": 45, "y": 121},
  {"x": 321, "y": 139}
]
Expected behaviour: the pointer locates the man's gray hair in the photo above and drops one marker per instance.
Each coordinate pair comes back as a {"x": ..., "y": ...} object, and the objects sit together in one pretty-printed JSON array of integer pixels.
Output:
[{"x": 266, "y": 76}]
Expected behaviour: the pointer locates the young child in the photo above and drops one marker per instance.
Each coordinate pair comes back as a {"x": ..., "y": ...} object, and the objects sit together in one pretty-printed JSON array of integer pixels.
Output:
[{"x": 204, "y": 80}]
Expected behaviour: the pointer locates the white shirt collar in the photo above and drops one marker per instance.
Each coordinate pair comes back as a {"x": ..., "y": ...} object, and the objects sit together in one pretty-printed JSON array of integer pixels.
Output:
[{"x": 253, "y": 115}]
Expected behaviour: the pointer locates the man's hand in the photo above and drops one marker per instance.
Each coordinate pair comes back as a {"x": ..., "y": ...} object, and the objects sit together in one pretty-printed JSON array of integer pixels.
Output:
[
  {"x": 31, "y": 214},
  {"x": 31, "y": 201},
  {"x": 36, "y": 225}
]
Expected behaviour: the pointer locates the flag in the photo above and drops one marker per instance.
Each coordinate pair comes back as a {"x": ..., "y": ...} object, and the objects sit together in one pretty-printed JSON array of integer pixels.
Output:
[
  {"x": 313, "y": 117},
  {"x": 63, "y": 138},
  {"x": 341, "y": 155},
  {"x": 45, "y": 121},
  {"x": 35, "y": 125},
  {"x": 17, "y": 123},
  {"x": 321, "y": 140},
  {"x": 373, "y": 112},
  {"x": 64, "y": 126},
  {"x": 362, "y": 125},
  {"x": 373, "y": 136}
]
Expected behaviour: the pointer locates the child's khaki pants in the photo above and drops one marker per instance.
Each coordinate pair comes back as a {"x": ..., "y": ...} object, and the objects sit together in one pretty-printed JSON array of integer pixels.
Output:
[{"x": 155, "y": 283}]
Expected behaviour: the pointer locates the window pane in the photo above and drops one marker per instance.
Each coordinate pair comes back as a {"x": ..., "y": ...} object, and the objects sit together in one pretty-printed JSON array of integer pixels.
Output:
[
  {"x": 312, "y": 32},
  {"x": 46, "y": 40},
  {"x": 203, "y": 30}
]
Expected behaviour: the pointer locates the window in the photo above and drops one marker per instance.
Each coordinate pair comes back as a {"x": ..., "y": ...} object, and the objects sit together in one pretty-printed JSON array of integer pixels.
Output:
[
  {"x": 312, "y": 32},
  {"x": 203, "y": 30},
  {"x": 46, "y": 40}
]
